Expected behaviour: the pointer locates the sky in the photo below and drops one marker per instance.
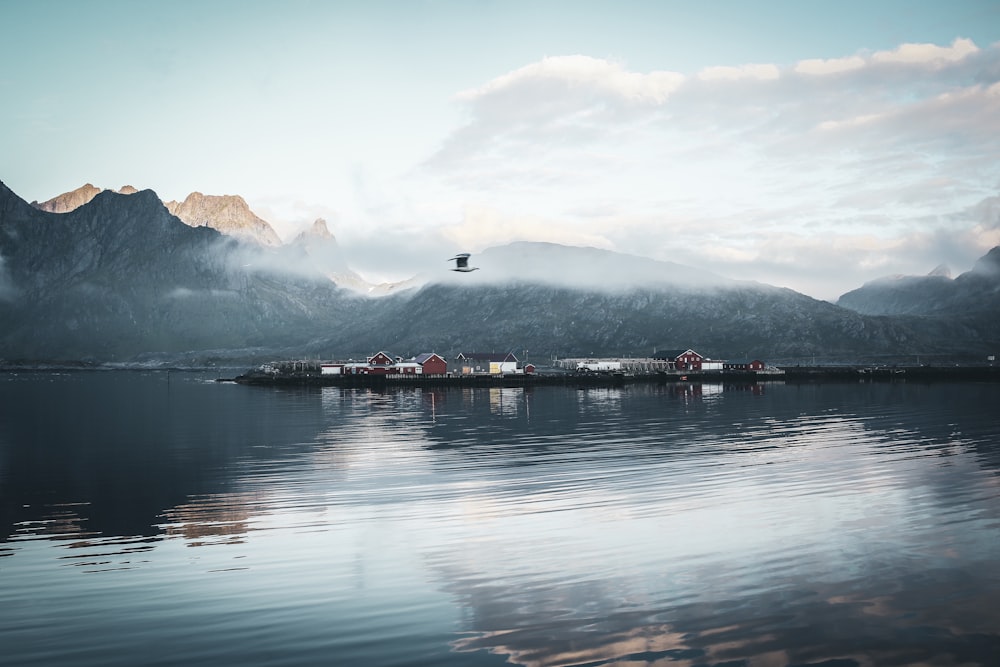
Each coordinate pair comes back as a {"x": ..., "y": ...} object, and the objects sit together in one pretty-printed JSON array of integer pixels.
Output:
[{"x": 807, "y": 145}]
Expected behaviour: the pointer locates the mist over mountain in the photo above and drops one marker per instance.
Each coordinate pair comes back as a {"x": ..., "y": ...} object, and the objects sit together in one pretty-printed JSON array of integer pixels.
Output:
[
  {"x": 735, "y": 321},
  {"x": 120, "y": 278},
  {"x": 581, "y": 268},
  {"x": 316, "y": 247},
  {"x": 972, "y": 297}
]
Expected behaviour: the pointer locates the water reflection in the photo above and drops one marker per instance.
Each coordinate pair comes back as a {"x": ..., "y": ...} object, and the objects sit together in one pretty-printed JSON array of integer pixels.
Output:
[
  {"x": 647, "y": 525},
  {"x": 901, "y": 619},
  {"x": 124, "y": 447},
  {"x": 220, "y": 519}
]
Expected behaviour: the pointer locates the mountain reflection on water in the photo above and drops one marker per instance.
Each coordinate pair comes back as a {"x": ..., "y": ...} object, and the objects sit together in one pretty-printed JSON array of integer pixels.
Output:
[{"x": 156, "y": 518}]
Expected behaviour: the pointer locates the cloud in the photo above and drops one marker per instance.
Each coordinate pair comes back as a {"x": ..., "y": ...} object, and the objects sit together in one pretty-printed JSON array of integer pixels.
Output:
[
  {"x": 906, "y": 54},
  {"x": 482, "y": 227},
  {"x": 922, "y": 54},
  {"x": 569, "y": 100},
  {"x": 289, "y": 216},
  {"x": 821, "y": 67},
  {"x": 816, "y": 174},
  {"x": 856, "y": 121},
  {"x": 726, "y": 73},
  {"x": 581, "y": 74}
]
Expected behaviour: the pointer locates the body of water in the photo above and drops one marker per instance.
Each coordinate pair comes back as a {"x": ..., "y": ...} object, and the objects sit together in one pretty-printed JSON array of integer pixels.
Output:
[{"x": 149, "y": 518}]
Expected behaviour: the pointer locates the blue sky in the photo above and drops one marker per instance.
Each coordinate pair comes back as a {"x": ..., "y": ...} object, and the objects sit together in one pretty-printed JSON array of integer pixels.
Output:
[{"x": 804, "y": 144}]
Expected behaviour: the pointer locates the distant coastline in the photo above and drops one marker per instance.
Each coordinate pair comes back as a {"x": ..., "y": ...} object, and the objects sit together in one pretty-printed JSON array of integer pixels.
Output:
[{"x": 790, "y": 374}]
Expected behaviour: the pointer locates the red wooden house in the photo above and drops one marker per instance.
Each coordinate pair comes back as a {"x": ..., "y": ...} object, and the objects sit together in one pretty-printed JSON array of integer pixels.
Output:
[
  {"x": 682, "y": 360},
  {"x": 431, "y": 363}
]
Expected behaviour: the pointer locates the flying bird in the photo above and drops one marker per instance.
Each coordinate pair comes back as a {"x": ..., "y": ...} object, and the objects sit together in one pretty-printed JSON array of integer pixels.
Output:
[{"x": 462, "y": 263}]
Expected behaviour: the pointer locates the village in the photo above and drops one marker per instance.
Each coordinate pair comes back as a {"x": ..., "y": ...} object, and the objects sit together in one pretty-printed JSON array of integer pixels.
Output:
[{"x": 507, "y": 364}]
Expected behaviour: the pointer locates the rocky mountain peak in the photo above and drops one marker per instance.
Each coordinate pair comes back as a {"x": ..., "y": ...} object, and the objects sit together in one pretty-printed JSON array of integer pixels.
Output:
[
  {"x": 323, "y": 251},
  {"x": 12, "y": 206},
  {"x": 69, "y": 201},
  {"x": 229, "y": 214},
  {"x": 74, "y": 199},
  {"x": 318, "y": 230},
  {"x": 941, "y": 271},
  {"x": 988, "y": 264}
]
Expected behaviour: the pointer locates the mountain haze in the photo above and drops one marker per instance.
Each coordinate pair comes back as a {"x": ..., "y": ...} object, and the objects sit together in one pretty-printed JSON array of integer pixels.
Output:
[
  {"x": 120, "y": 278},
  {"x": 972, "y": 297},
  {"x": 581, "y": 268},
  {"x": 232, "y": 216}
]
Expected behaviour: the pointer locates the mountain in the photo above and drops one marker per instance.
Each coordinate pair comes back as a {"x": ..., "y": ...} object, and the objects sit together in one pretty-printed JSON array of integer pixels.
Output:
[
  {"x": 736, "y": 321},
  {"x": 122, "y": 279},
  {"x": 229, "y": 214},
  {"x": 321, "y": 250},
  {"x": 74, "y": 199},
  {"x": 972, "y": 297}
]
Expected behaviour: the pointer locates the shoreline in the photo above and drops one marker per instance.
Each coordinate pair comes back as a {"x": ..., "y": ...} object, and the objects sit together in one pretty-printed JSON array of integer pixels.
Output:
[
  {"x": 791, "y": 374},
  {"x": 788, "y": 374}
]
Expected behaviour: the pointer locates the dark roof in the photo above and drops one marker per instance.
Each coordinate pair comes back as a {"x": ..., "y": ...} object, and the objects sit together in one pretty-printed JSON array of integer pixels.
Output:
[
  {"x": 488, "y": 356},
  {"x": 672, "y": 354},
  {"x": 422, "y": 358}
]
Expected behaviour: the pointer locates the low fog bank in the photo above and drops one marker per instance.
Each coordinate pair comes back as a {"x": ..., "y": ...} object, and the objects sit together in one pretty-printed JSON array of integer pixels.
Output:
[{"x": 575, "y": 267}]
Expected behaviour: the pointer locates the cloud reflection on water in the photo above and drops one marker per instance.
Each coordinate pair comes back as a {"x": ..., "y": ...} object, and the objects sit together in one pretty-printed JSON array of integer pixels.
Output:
[{"x": 632, "y": 526}]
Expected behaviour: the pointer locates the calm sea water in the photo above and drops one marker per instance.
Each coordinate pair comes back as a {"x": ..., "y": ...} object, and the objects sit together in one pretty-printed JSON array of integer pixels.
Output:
[{"x": 155, "y": 519}]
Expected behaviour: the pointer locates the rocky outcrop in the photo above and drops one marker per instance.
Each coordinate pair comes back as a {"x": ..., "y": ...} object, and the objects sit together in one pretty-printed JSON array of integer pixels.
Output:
[
  {"x": 321, "y": 250},
  {"x": 228, "y": 214},
  {"x": 69, "y": 201},
  {"x": 74, "y": 199}
]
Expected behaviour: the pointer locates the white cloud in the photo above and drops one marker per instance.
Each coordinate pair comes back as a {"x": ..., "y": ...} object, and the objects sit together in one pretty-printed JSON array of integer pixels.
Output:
[
  {"x": 829, "y": 66},
  {"x": 583, "y": 73},
  {"x": 927, "y": 53},
  {"x": 482, "y": 227},
  {"x": 757, "y": 171},
  {"x": 857, "y": 121},
  {"x": 905, "y": 54},
  {"x": 289, "y": 215},
  {"x": 725, "y": 73}
]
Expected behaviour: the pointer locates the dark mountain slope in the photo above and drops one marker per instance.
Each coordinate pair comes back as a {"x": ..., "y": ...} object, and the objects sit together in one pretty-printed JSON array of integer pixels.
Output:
[
  {"x": 69, "y": 201},
  {"x": 120, "y": 276},
  {"x": 730, "y": 322},
  {"x": 972, "y": 298}
]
